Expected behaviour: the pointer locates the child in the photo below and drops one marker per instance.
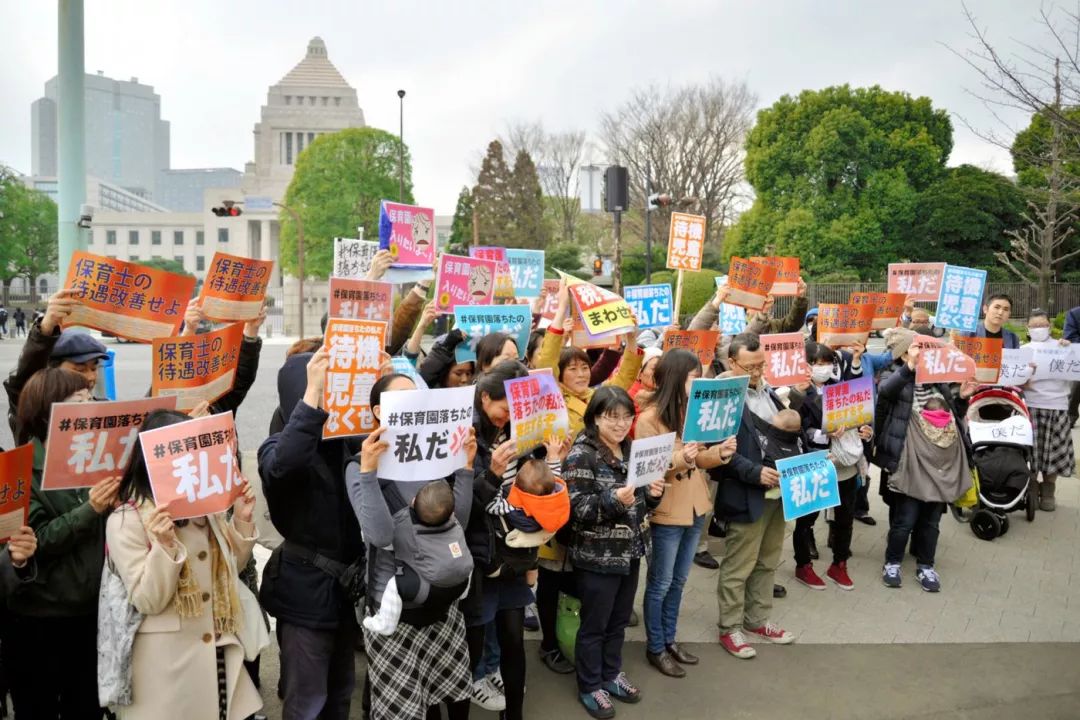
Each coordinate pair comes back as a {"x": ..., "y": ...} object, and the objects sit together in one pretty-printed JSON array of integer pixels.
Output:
[
  {"x": 536, "y": 502},
  {"x": 782, "y": 439},
  {"x": 434, "y": 564}
]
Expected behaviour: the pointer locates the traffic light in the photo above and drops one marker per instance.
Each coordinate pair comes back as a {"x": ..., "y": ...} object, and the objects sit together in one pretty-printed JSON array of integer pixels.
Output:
[
  {"x": 597, "y": 267},
  {"x": 226, "y": 209}
]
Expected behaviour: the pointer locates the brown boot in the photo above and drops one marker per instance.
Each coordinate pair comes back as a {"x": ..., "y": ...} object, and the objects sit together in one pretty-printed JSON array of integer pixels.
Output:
[{"x": 1047, "y": 503}]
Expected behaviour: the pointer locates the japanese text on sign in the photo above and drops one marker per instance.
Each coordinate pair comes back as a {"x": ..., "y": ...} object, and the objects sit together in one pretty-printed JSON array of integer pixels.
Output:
[
  {"x": 355, "y": 348},
  {"x": 808, "y": 484},
  {"x": 408, "y": 232},
  {"x": 526, "y": 271},
  {"x": 749, "y": 283},
  {"x": 918, "y": 281},
  {"x": 941, "y": 363},
  {"x": 426, "y": 432},
  {"x": 1015, "y": 366},
  {"x": 479, "y": 320},
  {"x": 847, "y": 405},
  {"x": 602, "y": 312},
  {"x": 1056, "y": 363},
  {"x": 352, "y": 257},
  {"x": 785, "y": 359},
  {"x": 960, "y": 298},
  {"x": 504, "y": 284},
  {"x": 463, "y": 281},
  {"x": 16, "y": 473},
  {"x": 651, "y": 304},
  {"x": 715, "y": 409},
  {"x": 194, "y": 368},
  {"x": 888, "y": 307},
  {"x": 235, "y": 287},
  {"x": 1015, "y": 430},
  {"x": 686, "y": 241},
  {"x": 650, "y": 459},
  {"x": 986, "y": 352},
  {"x": 787, "y": 274},
  {"x": 700, "y": 342},
  {"x": 549, "y": 302},
  {"x": 843, "y": 325},
  {"x": 537, "y": 411},
  {"x": 360, "y": 299}
]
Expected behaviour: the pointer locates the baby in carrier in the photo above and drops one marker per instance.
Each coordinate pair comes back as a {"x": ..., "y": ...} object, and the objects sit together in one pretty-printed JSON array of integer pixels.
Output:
[
  {"x": 433, "y": 562},
  {"x": 526, "y": 514},
  {"x": 780, "y": 440}
]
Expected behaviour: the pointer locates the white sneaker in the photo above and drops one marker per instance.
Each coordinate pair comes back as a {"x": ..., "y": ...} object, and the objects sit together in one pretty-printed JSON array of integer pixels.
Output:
[
  {"x": 484, "y": 695},
  {"x": 496, "y": 681}
]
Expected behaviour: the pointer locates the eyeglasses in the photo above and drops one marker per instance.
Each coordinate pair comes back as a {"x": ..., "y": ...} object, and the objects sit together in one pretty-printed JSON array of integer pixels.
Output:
[
  {"x": 755, "y": 368},
  {"x": 618, "y": 419}
]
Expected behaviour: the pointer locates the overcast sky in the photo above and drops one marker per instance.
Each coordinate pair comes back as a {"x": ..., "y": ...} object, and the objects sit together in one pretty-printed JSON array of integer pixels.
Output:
[{"x": 470, "y": 67}]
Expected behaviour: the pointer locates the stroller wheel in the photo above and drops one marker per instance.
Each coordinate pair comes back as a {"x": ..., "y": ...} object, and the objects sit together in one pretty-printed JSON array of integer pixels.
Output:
[
  {"x": 1004, "y": 524},
  {"x": 1030, "y": 502},
  {"x": 962, "y": 515},
  {"x": 986, "y": 525}
]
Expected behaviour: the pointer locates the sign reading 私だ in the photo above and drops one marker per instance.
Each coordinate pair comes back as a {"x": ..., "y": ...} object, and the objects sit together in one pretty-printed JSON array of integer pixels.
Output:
[
  {"x": 808, "y": 484},
  {"x": 426, "y": 431},
  {"x": 715, "y": 409},
  {"x": 526, "y": 271},
  {"x": 651, "y": 304}
]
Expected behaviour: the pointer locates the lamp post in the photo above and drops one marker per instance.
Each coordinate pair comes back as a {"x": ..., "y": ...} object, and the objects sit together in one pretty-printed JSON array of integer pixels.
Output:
[
  {"x": 299, "y": 257},
  {"x": 401, "y": 146}
]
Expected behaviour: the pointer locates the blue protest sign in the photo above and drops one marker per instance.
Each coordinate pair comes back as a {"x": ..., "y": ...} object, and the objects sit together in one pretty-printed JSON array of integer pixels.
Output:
[
  {"x": 651, "y": 304},
  {"x": 807, "y": 484},
  {"x": 403, "y": 366},
  {"x": 732, "y": 317},
  {"x": 476, "y": 321},
  {"x": 715, "y": 410},
  {"x": 526, "y": 271},
  {"x": 960, "y": 298}
]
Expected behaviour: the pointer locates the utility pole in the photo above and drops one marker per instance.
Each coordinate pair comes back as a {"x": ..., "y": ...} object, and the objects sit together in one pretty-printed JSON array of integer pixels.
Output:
[
  {"x": 71, "y": 171},
  {"x": 401, "y": 146},
  {"x": 299, "y": 258},
  {"x": 648, "y": 222},
  {"x": 616, "y": 270}
]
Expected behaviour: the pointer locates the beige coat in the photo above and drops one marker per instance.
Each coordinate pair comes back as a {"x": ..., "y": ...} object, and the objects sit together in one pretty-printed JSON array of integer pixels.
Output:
[{"x": 174, "y": 664}]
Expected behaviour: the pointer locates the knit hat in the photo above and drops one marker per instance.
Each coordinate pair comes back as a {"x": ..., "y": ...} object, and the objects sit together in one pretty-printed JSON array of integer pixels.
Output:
[
  {"x": 649, "y": 353},
  {"x": 898, "y": 341},
  {"x": 811, "y": 314}
]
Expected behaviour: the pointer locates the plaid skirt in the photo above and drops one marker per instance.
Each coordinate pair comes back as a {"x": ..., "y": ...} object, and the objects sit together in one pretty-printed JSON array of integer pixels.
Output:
[
  {"x": 1054, "y": 453},
  {"x": 418, "y": 667}
]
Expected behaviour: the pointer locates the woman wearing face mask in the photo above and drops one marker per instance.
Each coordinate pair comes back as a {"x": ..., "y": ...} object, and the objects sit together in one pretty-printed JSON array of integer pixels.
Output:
[
  {"x": 845, "y": 450},
  {"x": 53, "y": 621},
  {"x": 1048, "y": 401}
]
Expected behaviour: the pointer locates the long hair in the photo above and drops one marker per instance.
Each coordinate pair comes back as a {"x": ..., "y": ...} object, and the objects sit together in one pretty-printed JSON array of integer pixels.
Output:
[
  {"x": 670, "y": 399},
  {"x": 45, "y": 387},
  {"x": 490, "y": 347},
  {"x": 605, "y": 399},
  {"x": 492, "y": 383},
  {"x": 135, "y": 484}
]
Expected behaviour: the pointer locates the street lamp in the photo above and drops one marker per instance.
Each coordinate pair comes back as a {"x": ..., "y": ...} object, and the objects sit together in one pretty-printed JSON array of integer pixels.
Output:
[{"x": 401, "y": 146}]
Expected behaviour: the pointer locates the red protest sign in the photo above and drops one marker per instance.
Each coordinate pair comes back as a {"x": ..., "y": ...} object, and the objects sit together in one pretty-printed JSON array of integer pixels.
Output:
[
  {"x": 126, "y": 299},
  {"x": 192, "y": 466},
  {"x": 844, "y": 325},
  {"x": 939, "y": 362},
  {"x": 919, "y": 281},
  {"x": 700, "y": 342},
  {"x": 686, "y": 241},
  {"x": 90, "y": 441},
  {"x": 787, "y": 274},
  {"x": 355, "y": 360},
  {"x": 785, "y": 359},
  {"x": 985, "y": 352},
  {"x": 888, "y": 307},
  {"x": 194, "y": 368},
  {"x": 749, "y": 283},
  {"x": 235, "y": 288},
  {"x": 16, "y": 473},
  {"x": 361, "y": 299}
]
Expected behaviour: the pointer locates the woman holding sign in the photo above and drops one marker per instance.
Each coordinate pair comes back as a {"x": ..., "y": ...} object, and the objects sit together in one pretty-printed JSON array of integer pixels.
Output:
[
  {"x": 610, "y": 537},
  {"x": 677, "y": 521},
  {"x": 1048, "y": 399}
]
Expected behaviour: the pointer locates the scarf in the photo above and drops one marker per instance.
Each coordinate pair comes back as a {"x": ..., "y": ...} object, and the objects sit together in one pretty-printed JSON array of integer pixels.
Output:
[{"x": 931, "y": 470}]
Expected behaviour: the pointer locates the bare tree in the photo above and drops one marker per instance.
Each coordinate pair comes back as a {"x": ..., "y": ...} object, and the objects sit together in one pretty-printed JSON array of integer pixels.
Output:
[{"x": 558, "y": 158}]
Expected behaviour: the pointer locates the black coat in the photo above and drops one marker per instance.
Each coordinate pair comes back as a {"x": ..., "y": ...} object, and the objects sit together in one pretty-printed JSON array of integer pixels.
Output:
[
  {"x": 441, "y": 358},
  {"x": 303, "y": 480},
  {"x": 34, "y": 356}
]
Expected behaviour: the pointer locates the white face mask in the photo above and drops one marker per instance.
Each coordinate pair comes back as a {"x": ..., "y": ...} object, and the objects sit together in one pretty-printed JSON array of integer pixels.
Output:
[
  {"x": 821, "y": 373},
  {"x": 1039, "y": 334}
]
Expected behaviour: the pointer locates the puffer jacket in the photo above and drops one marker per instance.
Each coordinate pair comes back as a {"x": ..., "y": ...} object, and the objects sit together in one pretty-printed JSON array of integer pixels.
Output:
[
  {"x": 606, "y": 535},
  {"x": 34, "y": 356}
]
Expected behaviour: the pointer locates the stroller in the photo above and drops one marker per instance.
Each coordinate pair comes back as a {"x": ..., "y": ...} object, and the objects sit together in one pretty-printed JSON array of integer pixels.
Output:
[{"x": 1002, "y": 461}]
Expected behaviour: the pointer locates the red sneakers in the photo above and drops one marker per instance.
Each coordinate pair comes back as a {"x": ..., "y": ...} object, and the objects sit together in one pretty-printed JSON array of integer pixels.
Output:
[
  {"x": 771, "y": 633},
  {"x": 806, "y": 575},
  {"x": 838, "y": 574},
  {"x": 735, "y": 643}
]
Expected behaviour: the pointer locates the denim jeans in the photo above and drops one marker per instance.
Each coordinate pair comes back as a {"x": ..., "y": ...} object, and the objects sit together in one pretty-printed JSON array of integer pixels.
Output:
[
  {"x": 673, "y": 548},
  {"x": 907, "y": 516},
  {"x": 489, "y": 661}
]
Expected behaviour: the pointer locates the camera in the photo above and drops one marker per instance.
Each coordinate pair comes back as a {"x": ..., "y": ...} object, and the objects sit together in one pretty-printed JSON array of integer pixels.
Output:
[{"x": 86, "y": 214}]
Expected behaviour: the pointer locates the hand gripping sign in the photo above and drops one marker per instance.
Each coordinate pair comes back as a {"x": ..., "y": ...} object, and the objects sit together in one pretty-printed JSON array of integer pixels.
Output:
[
  {"x": 356, "y": 357},
  {"x": 352, "y": 257},
  {"x": 888, "y": 307},
  {"x": 235, "y": 288},
  {"x": 194, "y": 368},
  {"x": 426, "y": 431},
  {"x": 808, "y": 484},
  {"x": 650, "y": 459},
  {"x": 986, "y": 352},
  {"x": 844, "y": 325},
  {"x": 700, "y": 342},
  {"x": 848, "y": 405},
  {"x": 651, "y": 304},
  {"x": 537, "y": 411},
  {"x": 941, "y": 363},
  {"x": 464, "y": 281},
  {"x": 749, "y": 283},
  {"x": 602, "y": 311},
  {"x": 16, "y": 473},
  {"x": 715, "y": 409},
  {"x": 787, "y": 274}
]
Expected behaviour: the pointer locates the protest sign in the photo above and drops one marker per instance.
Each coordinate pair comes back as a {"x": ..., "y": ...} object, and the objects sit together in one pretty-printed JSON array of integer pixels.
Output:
[
  {"x": 408, "y": 232},
  {"x": 919, "y": 281},
  {"x": 650, "y": 459},
  {"x": 941, "y": 363},
  {"x": 1015, "y": 366},
  {"x": 504, "y": 285},
  {"x": 581, "y": 339},
  {"x": 785, "y": 359},
  {"x": 426, "y": 431},
  {"x": 715, "y": 409},
  {"x": 16, "y": 473},
  {"x": 749, "y": 283},
  {"x": 986, "y": 352},
  {"x": 476, "y": 321},
  {"x": 90, "y": 441},
  {"x": 463, "y": 281},
  {"x": 131, "y": 301},
  {"x": 1015, "y": 430},
  {"x": 192, "y": 466},
  {"x": 686, "y": 241},
  {"x": 732, "y": 317},
  {"x": 847, "y": 405},
  {"x": 700, "y": 342},
  {"x": 651, "y": 304},
  {"x": 235, "y": 288},
  {"x": 787, "y": 274},
  {"x": 888, "y": 307},
  {"x": 808, "y": 484},
  {"x": 602, "y": 311},
  {"x": 352, "y": 257},
  {"x": 194, "y": 368},
  {"x": 526, "y": 271},
  {"x": 844, "y": 325},
  {"x": 361, "y": 299},
  {"x": 549, "y": 302},
  {"x": 960, "y": 299},
  {"x": 402, "y": 366},
  {"x": 537, "y": 411},
  {"x": 1056, "y": 363},
  {"x": 355, "y": 360}
]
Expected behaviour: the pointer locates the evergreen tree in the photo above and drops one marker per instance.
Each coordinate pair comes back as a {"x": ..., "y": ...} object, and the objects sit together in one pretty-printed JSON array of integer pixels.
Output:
[
  {"x": 461, "y": 230},
  {"x": 492, "y": 198},
  {"x": 527, "y": 203}
]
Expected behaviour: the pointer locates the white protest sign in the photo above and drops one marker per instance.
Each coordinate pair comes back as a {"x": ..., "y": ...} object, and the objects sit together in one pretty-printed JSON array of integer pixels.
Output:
[
  {"x": 426, "y": 431},
  {"x": 1015, "y": 430},
  {"x": 1015, "y": 366},
  {"x": 352, "y": 257},
  {"x": 649, "y": 459},
  {"x": 1056, "y": 363}
]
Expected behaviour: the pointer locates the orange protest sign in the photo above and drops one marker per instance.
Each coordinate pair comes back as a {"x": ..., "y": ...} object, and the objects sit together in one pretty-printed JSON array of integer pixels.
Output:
[
  {"x": 919, "y": 281},
  {"x": 787, "y": 274},
  {"x": 361, "y": 299},
  {"x": 355, "y": 348},
  {"x": 940, "y": 362},
  {"x": 888, "y": 307},
  {"x": 192, "y": 466},
  {"x": 985, "y": 352},
  {"x": 235, "y": 287},
  {"x": 843, "y": 325},
  {"x": 90, "y": 441},
  {"x": 196, "y": 367},
  {"x": 749, "y": 283},
  {"x": 700, "y": 342},
  {"x": 686, "y": 241},
  {"x": 785, "y": 359},
  {"x": 126, "y": 299},
  {"x": 16, "y": 472}
]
